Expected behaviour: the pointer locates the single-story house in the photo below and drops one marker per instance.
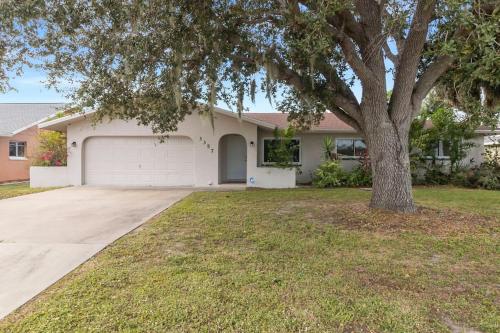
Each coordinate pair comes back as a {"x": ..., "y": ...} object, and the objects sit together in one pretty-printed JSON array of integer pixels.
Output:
[
  {"x": 492, "y": 141},
  {"x": 492, "y": 144},
  {"x": 235, "y": 150},
  {"x": 19, "y": 136}
]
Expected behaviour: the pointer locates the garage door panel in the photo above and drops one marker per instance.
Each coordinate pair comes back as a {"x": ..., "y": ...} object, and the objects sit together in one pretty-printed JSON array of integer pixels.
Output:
[{"x": 139, "y": 161}]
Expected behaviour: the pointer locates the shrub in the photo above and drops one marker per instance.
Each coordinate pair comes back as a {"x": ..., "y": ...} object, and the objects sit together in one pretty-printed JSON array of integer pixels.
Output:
[
  {"x": 486, "y": 176},
  {"x": 328, "y": 149},
  {"x": 51, "y": 150},
  {"x": 360, "y": 176},
  {"x": 283, "y": 149},
  {"x": 435, "y": 175},
  {"x": 329, "y": 174}
]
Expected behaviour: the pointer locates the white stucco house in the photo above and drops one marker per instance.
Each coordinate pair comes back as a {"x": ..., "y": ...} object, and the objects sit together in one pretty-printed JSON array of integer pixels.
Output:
[{"x": 235, "y": 150}]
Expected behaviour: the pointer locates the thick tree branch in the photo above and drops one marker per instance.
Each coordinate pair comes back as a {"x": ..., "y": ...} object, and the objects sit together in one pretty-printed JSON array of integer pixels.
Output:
[
  {"x": 371, "y": 22},
  {"x": 342, "y": 95},
  {"x": 338, "y": 93},
  {"x": 336, "y": 82},
  {"x": 362, "y": 71},
  {"x": 394, "y": 58},
  {"x": 428, "y": 79},
  {"x": 344, "y": 20},
  {"x": 339, "y": 96},
  {"x": 396, "y": 32},
  {"x": 346, "y": 118},
  {"x": 409, "y": 60},
  {"x": 338, "y": 31}
]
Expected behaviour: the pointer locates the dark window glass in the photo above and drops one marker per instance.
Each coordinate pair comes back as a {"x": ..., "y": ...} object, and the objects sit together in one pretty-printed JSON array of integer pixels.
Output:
[
  {"x": 351, "y": 147},
  {"x": 270, "y": 144},
  {"x": 12, "y": 149},
  {"x": 17, "y": 149},
  {"x": 345, "y": 147},
  {"x": 359, "y": 147},
  {"x": 268, "y": 147},
  {"x": 21, "y": 149},
  {"x": 446, "y": 148},
  {"x": 295, "y": 145}
]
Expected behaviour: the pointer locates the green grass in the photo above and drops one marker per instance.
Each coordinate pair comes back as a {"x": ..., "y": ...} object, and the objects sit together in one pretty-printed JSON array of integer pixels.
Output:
[
  {"x": 479, "y": 201},
  {"x": 288, "y": 261},
  {"x": 17, "y": 189}
]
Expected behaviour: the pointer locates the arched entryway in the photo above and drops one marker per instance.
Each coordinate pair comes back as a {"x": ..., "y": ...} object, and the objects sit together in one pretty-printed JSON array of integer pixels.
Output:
[{"x": 232, "y": 159}]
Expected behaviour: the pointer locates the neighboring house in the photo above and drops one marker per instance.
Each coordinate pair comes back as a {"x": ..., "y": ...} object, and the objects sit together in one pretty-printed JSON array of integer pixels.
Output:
[
  {"x": 19, "y": 135},
  {"x": 492, "y": 141},
  {"x": 234, "y": 151}
]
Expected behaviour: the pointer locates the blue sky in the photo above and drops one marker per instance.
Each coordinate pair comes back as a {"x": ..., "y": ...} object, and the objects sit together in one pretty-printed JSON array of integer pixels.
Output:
[{"x": 29, "y": 88}]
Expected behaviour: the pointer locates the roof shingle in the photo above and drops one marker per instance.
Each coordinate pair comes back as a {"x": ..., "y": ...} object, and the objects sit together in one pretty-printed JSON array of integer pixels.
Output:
[
  {"x": 329, "y": 123},
  {"x": 16, "y": 116}
]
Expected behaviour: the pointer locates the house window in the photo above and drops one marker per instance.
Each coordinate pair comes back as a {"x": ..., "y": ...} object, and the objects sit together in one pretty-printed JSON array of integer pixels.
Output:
[
  {"x": 349, "y": 148},
  {"x": 270, "y": 144},
  {"x": 442, "y": 149},
  {"x": 17, "y": 149}
]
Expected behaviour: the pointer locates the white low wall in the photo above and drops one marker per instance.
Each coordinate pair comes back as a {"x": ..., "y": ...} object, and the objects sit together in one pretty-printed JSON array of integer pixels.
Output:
[
  {"x": 266, "y": 177},
  {"x": 49, "y": 176}
]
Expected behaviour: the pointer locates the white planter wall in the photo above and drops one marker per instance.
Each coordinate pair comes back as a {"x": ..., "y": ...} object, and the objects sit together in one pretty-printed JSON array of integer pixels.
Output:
[
  {"x": 54, "y": 176},
  {"x": 267, "y": 177}
]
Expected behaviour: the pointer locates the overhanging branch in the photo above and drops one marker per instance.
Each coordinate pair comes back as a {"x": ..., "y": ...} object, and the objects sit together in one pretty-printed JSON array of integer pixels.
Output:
[
  {"x": 428, "y": 79},
  {"x": 408, "y": 62}
]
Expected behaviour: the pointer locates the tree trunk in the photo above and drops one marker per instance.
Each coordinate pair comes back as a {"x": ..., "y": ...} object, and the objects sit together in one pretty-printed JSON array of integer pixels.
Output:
[{"x": 388, "y": 149}]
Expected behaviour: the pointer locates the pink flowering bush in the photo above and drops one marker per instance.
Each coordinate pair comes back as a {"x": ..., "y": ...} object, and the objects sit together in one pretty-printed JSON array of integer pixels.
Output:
[{"x": 51, "y": 150}]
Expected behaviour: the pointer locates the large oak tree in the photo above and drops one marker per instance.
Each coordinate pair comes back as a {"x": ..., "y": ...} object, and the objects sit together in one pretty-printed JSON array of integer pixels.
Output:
[{"x": 156, "y": 60}]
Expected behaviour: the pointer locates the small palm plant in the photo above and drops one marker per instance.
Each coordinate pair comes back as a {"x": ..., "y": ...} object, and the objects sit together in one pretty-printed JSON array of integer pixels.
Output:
[{"x": 328, "y": 149}]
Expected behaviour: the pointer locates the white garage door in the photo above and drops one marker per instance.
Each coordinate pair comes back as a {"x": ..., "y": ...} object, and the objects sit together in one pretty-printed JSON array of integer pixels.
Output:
[{"x": 139, "y": 161}]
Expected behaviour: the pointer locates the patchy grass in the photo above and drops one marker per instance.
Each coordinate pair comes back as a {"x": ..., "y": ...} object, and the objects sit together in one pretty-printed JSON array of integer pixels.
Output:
[
  {"x": 17, "y": 189},
  {"x": 287, "y": 261},
  {"x": 466, "y": 200}
]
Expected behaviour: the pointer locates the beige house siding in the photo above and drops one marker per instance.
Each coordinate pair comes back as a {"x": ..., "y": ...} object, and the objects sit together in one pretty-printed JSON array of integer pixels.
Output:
[
  {"x": 205, "y": 138},
  {"x": 311, "y": 152},
  {"x": 475, "y": 155}
]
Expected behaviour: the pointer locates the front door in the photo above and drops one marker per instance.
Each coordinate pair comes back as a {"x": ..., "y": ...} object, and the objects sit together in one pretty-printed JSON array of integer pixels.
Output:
[{"x": 236, "y": 158}]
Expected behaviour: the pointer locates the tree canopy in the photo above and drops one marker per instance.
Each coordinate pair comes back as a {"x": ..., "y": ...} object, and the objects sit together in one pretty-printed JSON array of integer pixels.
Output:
[{"x": 156, "y": 60}]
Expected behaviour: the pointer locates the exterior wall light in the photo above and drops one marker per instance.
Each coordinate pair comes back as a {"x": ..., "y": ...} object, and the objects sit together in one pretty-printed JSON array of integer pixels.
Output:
[
  {"x": 73, "y": 144},
  {"x": 252, "y": 144}
]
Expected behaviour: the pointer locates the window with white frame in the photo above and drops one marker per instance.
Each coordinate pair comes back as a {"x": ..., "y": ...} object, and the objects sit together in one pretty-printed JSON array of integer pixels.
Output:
[
  {"x": 350, "y": 148},
  {"x": 17, "y": 149},
  {"x": 270, "y": 143}
]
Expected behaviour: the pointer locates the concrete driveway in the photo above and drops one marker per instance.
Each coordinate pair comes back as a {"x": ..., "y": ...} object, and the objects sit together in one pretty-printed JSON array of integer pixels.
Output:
[{"x": 44, "y": 236}]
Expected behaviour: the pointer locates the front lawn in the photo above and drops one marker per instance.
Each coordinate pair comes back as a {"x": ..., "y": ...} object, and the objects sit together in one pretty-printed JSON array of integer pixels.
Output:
[
  {"x": 288, "y": 261},
  {"x": 17, "y": 189}
]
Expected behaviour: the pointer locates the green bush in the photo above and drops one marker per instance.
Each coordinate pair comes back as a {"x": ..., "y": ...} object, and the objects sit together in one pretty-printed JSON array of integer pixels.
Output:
[
  {"x": 51, "y": 150},
  {"x": 486, "y": 176},
  {"x": 435, "y": 175},
  {"x": 360, "y": 176},
  {"x": 329, "y": 174}
]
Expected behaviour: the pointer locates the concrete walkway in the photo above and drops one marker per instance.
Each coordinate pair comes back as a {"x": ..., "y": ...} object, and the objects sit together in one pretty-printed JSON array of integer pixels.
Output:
[{"x": 46, "y": 235}]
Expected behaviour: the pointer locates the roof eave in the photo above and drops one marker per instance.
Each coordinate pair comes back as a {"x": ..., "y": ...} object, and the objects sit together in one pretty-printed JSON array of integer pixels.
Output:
[
  {"x": 58, "y": 123},
  {"x": 32, "y": 124},
  {"x": 488, "y": 131},
  {"x": 246, "y": 118}
]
